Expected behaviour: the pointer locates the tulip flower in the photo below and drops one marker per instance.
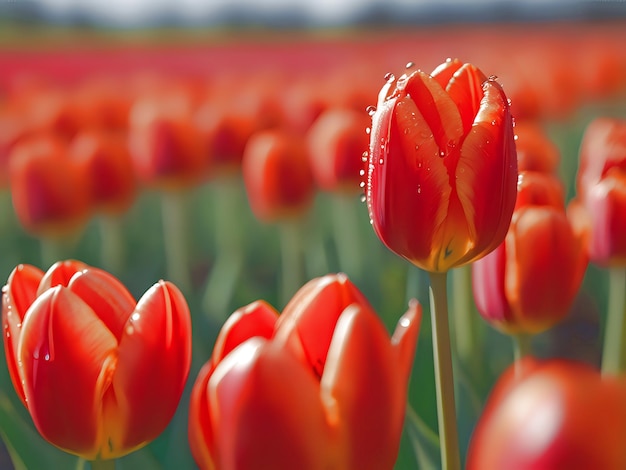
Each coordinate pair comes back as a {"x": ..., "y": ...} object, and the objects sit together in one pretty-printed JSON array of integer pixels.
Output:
[
  {"x": 336, "y": 142},
  {"x": 551, "y": 414},
  {"x": 50, "y": 191},
  {"x": 320, "y": 386},
  {"x": 277, "y": 175},
  {"x": 442, "y": 174},
  {"x": 100, "y": 374},
  {"x": 601, "y": 189},
  {"x": 529, "y": 282}
]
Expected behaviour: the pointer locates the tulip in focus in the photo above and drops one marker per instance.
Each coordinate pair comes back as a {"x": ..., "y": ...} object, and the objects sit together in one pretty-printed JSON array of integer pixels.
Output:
[
  {"x": 320, "y": 386},
  {"x": 441, "y": 182},
  {"x": 529, "y": 282},
  {"x": 601, "y": 190},
  {"x": 552, "y": 414},
  {"x": 100, "y": 374}
]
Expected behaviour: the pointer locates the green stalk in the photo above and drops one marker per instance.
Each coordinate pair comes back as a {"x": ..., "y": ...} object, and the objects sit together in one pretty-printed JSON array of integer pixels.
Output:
[
  {"x": 614, "y": 352},
  {"x": 444, "y": 378},
  {"x": 175, "y": 231},
  {"x": 103, "y": 464},
  {"x": 291, "y": 260},
  {"x": 347, "y": 236},
  {"x": 465, "y": 324},
  {"x": 111, "y": 243}
]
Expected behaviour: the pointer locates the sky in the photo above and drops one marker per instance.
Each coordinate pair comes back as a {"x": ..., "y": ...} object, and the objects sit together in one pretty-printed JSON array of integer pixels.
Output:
[{"x": 136, "y": 12}]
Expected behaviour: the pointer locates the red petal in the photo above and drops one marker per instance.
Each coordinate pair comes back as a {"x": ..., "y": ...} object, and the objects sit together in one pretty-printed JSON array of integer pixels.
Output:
[
  {"x": 60, "y": 273},
  {"x": 67, "y": 355},
  {"x": 154, "y": 361},
  {"x": 18, "y": 295},
  {"x": 466, "y": 90},
  {"x": 200, "y": 431}
]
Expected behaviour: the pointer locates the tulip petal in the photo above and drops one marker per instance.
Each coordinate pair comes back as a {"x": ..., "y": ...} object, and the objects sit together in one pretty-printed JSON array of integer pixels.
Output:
[
  {"x": 60, "y": 274},
  {"x": 541, "y": 293},
  {"x": 363, "y": 373},
  {"x": 154, "y": 361},
  {"x": 465, "y": 88},
  {"x": 106, "y": 296},
  {"x": 200, "y": 431},
  {"x": 18, "y": 295},
  {"x": 488, "y": 165},
  {"x": 255, "y": 319},
  {"x": 308, "y": 321},
  {"x": 444, "y": 72},
  {"x": 67, "y": 355},
  {"x": 264, "y": 420}
]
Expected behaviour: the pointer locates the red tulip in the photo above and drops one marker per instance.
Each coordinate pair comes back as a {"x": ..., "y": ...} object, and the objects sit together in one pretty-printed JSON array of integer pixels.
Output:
[
  {"x": 50, "y": 191},
  {"x": 601, "y": 190},
  {"x": 529, "y": 282},
  {"x": 108, "y": 168},
  {"x": 336, "y": 142},
  {"x": 100, "y": 373},
  {"x": 277, "y": 175},
  {"x": 555, "y": 414},
  {"x": 321, "y": 386},
  {"x": 442, "y": 174}
]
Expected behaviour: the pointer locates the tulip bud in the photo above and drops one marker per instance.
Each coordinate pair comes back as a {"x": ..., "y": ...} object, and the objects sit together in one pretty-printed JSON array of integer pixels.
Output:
[
  {"x": 100, "y": 374},
  {"x": 343, "y": 403},
  {"x": 442, "y": 173}
]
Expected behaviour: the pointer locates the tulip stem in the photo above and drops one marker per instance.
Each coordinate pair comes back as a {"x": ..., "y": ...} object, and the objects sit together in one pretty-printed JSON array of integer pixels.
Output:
[
  {"x": 465, "y": 324},
  {"x": 111, "y": 243},
  {"x": 291, "y": 257},
  {"x": 346, "y": 229},
  {"x": 103, "y": 464},
  {"x": 444, "y": 378},
  {"x": 614, "y": 353},
  {"x": 175, "y": 238}
]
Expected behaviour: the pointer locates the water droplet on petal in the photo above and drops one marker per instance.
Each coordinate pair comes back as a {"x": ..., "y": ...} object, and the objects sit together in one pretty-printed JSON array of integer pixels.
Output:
[
  {"x": 419, "y": 189},
  {"x": 362, "y": 184},
  {"x": 389, "y": 77},
  {"x": 370, "y": 110},
  {"x": 493, "y": 122},
  {"x": 442, "y": 154},
  {"x": 515, "y": 137},
  {"x": 364, "y": 156},
  {"x": 492, "y": 78},
  {"x": 130, "y": 330},
  {"x": 368, "y": 130},
  {"x": 363, "y": 198},
  {"x": 381, "y": 161},
  {"x": 448, "y": 60},
  {"x": 410, "y": 65}
]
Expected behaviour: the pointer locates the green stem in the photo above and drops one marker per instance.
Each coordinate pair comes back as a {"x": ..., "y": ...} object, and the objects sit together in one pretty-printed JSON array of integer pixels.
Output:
[
  {"x": 465, "y": 324},
  {"x": 103, "y": 464},
  {"x": 111, "y": 243},
  {"x": 424, "y": 440},
  {"x": 173, "y": 206},
  {"x": 229, "y": 251},
  {"x": 347, "y": 234},
  {"x": 80, "y": 463},
  {"x": 522, "y": 346},
  {"x": 291, "y": 260},
  {"x": 444, "y": 379},
  {"x": 614, "y": 353}
]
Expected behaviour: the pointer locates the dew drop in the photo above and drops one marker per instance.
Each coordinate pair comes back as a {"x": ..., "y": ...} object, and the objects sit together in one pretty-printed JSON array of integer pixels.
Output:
[
  {"x": 130, "y": 330},
  {"x": 46, "y": 357},
  {"x": 381, "y": 161},
  {"x": 364, "y": 156},
  {"x": 410, "y": 65},
  {"x": 371, "y": 110},
  {"x": 419, "y": 189},
  {"x": 492, "y": 78},
  {"x": 448, "y": 60},
  {"x": 493, "y": 122},
  {"x": 389, "y": 77},
  {"x": 363, "y": 198},
  {"x": 442, "y": 154},
  {"x": 419, "y": 165},
  {"x": 508, "y": 101},
  {"x": 368, "y": 130},
  {"x": 515, "y": 137},
  {"x": 362, "y": 184},
  {"x": 406, "y": 130},
  {"x": 417, "y": 147},
  {"x": 361, "y": 172},
  {"x": 371, "y": 221}
]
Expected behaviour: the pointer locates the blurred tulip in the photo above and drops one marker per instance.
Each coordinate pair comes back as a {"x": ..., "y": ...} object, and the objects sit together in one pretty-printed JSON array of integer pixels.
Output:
[
  {"x": 336, "y": 142},
  {"x": 535, "y": 150},
  {"x": 343, "y": 403},
  {"x": 167, "y": 149},
  {"x": 100, "y": 373},
  {"x": 442, "y": 175},
  {"x": 529, "y": 282},
  {"x": 601, "y": 190},
  {"x": 108, "y": 168},
  {"x": 50, "y": 191},
  {"x": 553, "y": 414},
  {"x": 277, "y": 175}
]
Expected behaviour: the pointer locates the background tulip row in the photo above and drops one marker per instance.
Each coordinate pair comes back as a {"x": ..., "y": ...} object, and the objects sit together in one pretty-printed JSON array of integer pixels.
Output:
[{"x": 153, "y": 163}]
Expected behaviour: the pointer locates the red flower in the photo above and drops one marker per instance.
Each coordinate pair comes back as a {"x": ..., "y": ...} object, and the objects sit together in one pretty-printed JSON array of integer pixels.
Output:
[
  {"x": 552, "y": 414},
  {"x": 442, "y": 175},
  {"x": 321, "y": 386},
  {"x": 100, "y": 373},
  {"x": 277, "y": 175},
  {"x": 529, "y": 282}
]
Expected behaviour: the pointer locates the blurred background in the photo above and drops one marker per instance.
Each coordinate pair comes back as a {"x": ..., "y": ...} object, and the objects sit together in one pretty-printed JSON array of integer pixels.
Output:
[{"x": 228, "y": 68}]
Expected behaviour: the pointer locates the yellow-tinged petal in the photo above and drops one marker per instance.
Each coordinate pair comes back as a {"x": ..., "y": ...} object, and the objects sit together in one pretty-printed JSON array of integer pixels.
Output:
[{"x": 66, "y": 355}]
